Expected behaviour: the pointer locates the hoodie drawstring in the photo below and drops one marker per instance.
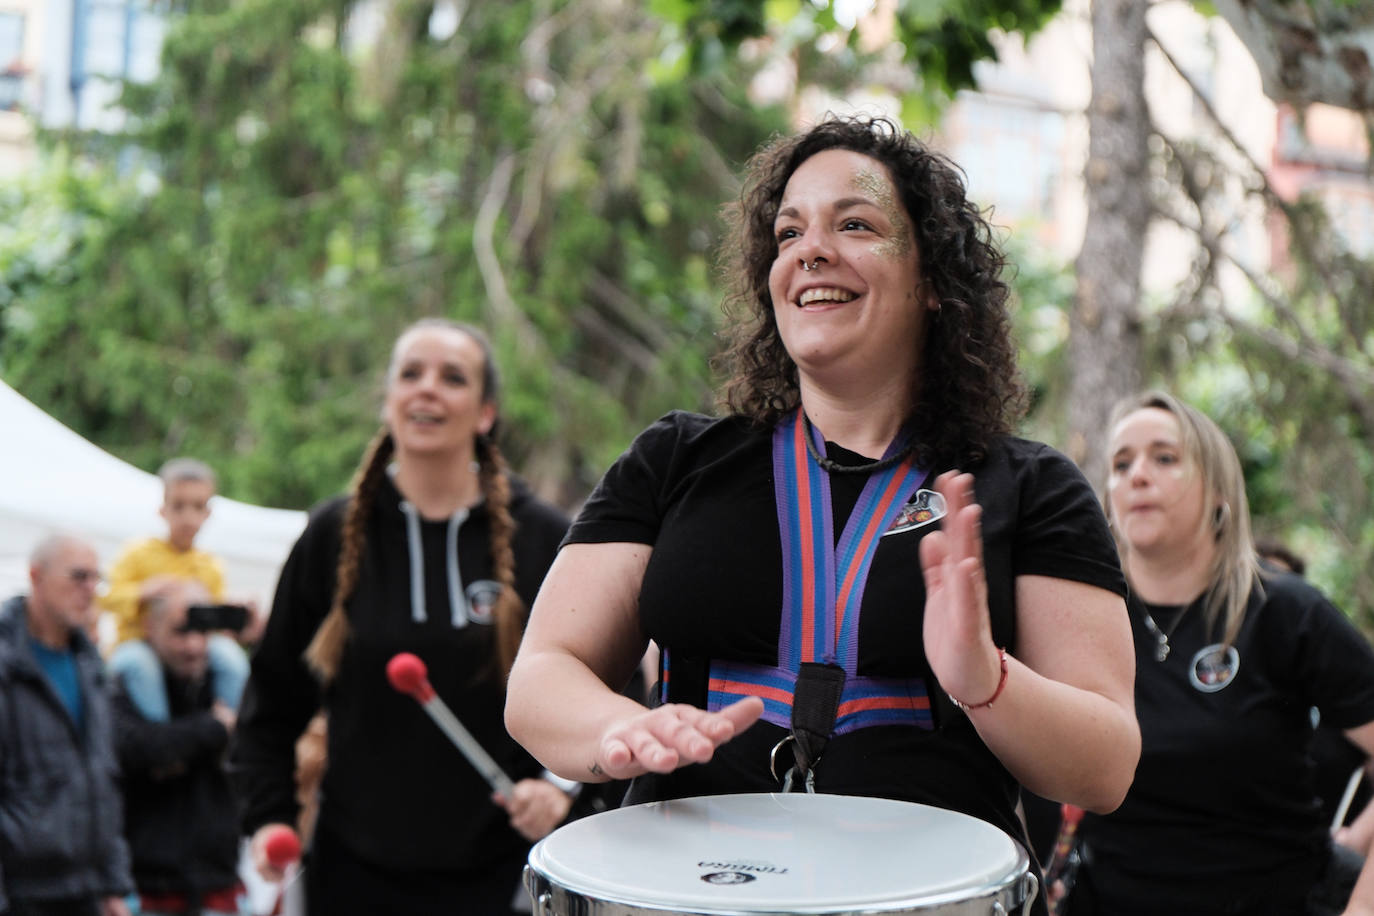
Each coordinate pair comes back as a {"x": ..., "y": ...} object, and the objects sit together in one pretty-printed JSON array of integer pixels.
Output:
[
  {"x": 458, "y": 604},
  {"x": 417, "y": 563},
  {"x": 457, "y": 601}
]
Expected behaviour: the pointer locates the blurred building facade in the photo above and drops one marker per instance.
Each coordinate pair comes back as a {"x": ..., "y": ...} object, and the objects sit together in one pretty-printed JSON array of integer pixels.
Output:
[
  {"x": 1323, "y": 152},
  {"x": 1031, "y": 111},
  {"x": 1022, "y": 139},
  {"x": 21, "y": 36},
  {"x": 62, "y": 63}
]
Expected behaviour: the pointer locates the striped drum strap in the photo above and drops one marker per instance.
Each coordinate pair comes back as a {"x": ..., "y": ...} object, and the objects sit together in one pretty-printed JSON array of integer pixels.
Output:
[{"x": 815, "y": 691}]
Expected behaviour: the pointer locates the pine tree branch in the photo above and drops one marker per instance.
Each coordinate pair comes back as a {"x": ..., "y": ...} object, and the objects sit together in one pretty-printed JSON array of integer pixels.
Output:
[{"x": 1263, "y": 187}]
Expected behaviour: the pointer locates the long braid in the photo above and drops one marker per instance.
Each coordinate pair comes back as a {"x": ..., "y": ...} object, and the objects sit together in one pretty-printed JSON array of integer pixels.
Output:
[
  {"x": 326, "y": 650},
  {"x": 510, "y": 610}
]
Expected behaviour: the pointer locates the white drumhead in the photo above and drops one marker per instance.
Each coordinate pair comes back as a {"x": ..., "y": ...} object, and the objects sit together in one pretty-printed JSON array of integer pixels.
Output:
[{"x": 778, "y": 853}]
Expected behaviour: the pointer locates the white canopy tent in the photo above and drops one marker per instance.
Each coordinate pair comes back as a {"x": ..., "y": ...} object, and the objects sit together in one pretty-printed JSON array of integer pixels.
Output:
[{"x": 52, "y": 480}]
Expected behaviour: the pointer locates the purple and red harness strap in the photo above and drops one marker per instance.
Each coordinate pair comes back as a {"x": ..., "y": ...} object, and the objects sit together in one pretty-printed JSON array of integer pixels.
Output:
[{"x": 815, "y": 691}]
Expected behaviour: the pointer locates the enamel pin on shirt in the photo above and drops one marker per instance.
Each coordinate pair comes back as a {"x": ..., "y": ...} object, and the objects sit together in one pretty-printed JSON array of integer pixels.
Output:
[{"x": 924, "y": 507}]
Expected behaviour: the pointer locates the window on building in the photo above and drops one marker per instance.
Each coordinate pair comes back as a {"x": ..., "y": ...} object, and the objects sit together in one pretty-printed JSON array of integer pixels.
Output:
[
  {"x": 1012, "y": 153},
  {"x": 11, "y": 60},
  {"x": 116, "y": 39},
  {"x": 112, "y": 41},
  {"x": 1351, "y": 210}
]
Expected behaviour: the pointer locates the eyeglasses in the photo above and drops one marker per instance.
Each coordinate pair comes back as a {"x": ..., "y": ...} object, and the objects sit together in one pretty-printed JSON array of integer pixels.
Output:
[{"x": 85, "y": 576}]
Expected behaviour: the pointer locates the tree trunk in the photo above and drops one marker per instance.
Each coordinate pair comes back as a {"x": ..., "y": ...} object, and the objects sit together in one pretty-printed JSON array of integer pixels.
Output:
[
  {"x": 1104, "y": 340},
  {"x": 1317, "y": 51}
]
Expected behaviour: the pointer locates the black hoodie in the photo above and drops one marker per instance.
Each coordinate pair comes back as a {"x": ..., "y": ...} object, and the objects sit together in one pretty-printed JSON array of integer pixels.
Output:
[{"x": 396, "y": 792}]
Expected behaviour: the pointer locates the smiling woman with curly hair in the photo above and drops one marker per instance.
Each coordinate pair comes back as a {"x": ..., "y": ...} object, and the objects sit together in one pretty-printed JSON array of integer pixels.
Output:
[
  {"x": 969, "y": 645},
  {"x": 969, "y": 389}
]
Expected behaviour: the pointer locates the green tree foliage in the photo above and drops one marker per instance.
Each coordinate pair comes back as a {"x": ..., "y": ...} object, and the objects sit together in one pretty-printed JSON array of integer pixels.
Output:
[
  {"x": 302, "y": 180},
  {"x": 946, "y": 38},
  {"x": 301, "y": 190},
  {"x": 924, "y": 54}
]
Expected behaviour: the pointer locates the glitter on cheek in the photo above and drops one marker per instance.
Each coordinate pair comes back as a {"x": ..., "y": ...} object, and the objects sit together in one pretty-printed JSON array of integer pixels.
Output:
[{"x": 898, "y": 244}]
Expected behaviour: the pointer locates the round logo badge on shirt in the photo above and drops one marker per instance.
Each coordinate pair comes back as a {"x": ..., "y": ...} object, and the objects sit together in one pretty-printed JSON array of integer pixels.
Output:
[
  {"x": 1213, "y": 667},
  {"x": 482, "y": 596}
]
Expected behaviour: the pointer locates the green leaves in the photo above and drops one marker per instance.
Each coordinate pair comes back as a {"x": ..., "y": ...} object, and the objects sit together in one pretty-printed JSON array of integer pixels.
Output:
[
  {"x": 945, "y": 38},
  {"x": 309, "y": 198},
  {"x": 300, "y": 183}
]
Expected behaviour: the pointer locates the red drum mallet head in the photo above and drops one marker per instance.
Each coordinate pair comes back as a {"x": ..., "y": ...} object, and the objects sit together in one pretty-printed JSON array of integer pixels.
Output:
[
  {"x": 282, "y": 847},
  {"x": 407, "y": 673}
]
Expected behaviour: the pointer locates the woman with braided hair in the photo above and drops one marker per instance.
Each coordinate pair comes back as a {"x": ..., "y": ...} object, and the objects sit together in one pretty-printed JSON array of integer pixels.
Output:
[{"x": 437, "y": 550}]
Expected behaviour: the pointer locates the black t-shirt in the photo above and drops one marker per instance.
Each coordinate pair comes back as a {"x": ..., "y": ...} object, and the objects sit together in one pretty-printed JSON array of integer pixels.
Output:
[
  {"x": 1337, "y": 758},
  {"x": 701, "y": 491},
  {"x": 1223, "y": 816}
]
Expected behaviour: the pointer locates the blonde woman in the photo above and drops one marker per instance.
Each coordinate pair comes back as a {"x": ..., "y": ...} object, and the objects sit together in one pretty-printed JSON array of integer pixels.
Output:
[
  {"x": 438, "y": 551},
  {"x": 1222, "y": 816}
]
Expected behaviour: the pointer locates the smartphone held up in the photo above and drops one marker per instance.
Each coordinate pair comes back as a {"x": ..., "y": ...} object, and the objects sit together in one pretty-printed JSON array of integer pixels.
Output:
[{"x": 210, "y": 617}]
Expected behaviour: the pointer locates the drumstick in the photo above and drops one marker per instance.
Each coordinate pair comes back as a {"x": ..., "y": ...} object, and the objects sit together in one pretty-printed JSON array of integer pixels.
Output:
[
  {"x": 407, "y": 673},
  {"x": 1344, "y": 807},
  {"x": 282, "y": 848},
  {"x": 1069, "y": 818}
]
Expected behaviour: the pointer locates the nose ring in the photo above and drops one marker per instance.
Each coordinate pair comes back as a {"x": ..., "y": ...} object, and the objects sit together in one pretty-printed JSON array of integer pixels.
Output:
[{"x": 812, "y": 266}]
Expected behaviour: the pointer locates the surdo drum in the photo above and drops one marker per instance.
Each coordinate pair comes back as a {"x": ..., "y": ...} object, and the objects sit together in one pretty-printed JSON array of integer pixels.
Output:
[{"x": 746, "y": 855}]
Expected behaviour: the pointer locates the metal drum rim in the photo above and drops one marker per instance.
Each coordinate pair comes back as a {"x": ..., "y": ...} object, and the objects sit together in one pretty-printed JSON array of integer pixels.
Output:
[
  {"x": 1017, "y": 887},
  {"x": 1011, "y": 897}
]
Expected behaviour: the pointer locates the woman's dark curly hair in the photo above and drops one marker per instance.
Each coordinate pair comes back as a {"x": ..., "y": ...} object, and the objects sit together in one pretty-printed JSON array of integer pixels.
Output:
[{"x": 969, "y": 389}]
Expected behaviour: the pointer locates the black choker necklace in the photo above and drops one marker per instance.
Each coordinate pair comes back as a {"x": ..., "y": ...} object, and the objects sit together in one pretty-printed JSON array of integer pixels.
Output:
[{"x": 833, "y": 467}]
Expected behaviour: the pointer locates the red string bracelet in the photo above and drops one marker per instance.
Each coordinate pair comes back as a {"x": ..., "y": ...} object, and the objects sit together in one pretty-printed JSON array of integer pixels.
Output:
[{"x": 1001, "y": 682}]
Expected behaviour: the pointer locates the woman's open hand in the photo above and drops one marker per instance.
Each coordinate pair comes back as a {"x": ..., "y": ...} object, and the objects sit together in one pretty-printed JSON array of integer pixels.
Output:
[
  {"x": 957, "y": 630},
  {"x": 674, "y": 735}
]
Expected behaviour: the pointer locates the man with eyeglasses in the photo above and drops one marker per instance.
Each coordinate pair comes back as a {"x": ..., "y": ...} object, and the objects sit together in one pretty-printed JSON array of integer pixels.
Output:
[{"x": 62, "y": 851}]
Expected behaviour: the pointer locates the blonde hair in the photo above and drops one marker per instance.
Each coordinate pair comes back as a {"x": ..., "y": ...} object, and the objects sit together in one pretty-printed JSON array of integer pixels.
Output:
[
  {"x": 1235, "y": 569},
  {"x": 326, "y": 649}
]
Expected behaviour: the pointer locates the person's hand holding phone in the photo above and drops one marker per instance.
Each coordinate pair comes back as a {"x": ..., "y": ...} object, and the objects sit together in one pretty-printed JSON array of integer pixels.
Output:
[{"x": 208, "y": 618}]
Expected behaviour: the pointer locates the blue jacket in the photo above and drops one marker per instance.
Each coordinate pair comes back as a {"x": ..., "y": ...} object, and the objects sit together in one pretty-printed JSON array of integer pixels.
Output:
[{"x": 61, "y": 827}]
